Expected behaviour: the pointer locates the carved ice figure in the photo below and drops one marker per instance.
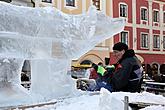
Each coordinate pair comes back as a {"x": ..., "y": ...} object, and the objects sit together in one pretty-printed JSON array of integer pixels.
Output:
[{"x": 50, "y": 39}]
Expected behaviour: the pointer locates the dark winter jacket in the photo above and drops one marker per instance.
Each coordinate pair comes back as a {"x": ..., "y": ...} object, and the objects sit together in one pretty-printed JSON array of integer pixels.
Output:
[{"x": 128, "y": 74}]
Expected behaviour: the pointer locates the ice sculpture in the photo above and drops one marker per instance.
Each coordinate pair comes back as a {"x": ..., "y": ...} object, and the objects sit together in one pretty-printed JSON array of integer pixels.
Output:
[{"x": 50, "y": 39}]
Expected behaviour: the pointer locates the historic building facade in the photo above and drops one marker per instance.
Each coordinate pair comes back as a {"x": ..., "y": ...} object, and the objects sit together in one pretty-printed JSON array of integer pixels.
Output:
[{"x": 144, "y": 30}]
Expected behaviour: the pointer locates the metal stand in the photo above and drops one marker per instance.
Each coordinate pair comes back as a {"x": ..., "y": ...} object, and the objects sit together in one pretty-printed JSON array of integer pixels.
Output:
[{"x": 126, "y": 103}]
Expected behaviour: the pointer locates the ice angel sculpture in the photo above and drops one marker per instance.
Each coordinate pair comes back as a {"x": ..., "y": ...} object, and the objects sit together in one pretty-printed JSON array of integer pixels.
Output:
[{"x": 50, "y": 39}]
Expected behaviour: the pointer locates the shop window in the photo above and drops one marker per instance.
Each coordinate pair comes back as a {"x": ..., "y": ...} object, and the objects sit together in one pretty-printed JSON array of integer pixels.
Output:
[
  {"x": 163, "y": 42},
  {"x": 97, "y": 4},
  {"x": 123, "y": 10},
  {"x": 144, "y": 14},
  {"x": 156, "y": 42},
  {"x": 144, "y": 40},
  {"x": 124, "y": 37},
  {"x": 156, "y": 16},
  {"x": 162, "y": 69},
  {"x": 70, "y": 3}
]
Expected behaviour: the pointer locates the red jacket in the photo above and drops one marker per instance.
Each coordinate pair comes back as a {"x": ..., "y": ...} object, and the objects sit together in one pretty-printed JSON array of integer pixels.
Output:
[{"x": 93, "y": 74}]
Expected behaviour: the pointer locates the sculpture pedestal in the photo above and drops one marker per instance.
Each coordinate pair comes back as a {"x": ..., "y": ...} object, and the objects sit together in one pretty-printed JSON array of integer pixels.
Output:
[{"x": 49, "y": 78}]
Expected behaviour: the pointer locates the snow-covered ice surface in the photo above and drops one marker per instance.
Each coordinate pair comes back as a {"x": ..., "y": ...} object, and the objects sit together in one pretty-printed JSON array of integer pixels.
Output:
[
  {"x": 70, "y": 35},
  {"x": 50, "y": 39},
  {"x": 105, "y": 101}
]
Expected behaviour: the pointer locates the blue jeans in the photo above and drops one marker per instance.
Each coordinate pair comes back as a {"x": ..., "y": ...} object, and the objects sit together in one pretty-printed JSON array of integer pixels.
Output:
[{"x": 99, "y": 84}]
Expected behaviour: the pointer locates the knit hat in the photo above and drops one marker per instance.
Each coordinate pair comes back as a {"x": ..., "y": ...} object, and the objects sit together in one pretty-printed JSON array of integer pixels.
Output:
[{"x": 120, "y": 46}]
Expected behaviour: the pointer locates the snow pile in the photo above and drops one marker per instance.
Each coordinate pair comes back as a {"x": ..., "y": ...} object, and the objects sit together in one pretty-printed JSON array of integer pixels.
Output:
[
  {"x": 154, "y": 108},
  {"x": 104, "y": 101},
  {"x": 14, "y": 94},
  {"x": 140, "y": 97}
]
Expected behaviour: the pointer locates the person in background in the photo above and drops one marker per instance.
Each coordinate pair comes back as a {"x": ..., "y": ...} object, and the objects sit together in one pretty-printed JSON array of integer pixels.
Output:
[
  {"x": 103, "y": 74},
  {"x": 128, "y": 70},
  {"x": 93, "y": 71},
  {"x": 24, "y": 77},
  {"x": 100, "y": 70},
  {"x": 109, "y": 71},
  {"x": 96, "y": 70},
  {"x": 100, "y": 64}
]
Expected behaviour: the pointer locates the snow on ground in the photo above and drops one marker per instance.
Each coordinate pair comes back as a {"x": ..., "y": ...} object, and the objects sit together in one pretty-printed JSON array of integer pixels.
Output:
[
  {"x": 105, "y": 101},
  {"x": 154, "y": 108}
]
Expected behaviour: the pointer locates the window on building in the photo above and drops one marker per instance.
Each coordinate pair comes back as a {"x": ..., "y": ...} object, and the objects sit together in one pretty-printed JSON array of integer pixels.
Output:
[
  {"x": 70, "y": 3},
  {"x": 48, "y": 1},
  {"x": 123, "y": 10},
  {"x": 97, "y": 4},
  {"x": 164, "y": 17},
  {"x": 156, "y": 41},
  {"x": 124, "y": 37},
  {"x": 144, "y": 14},
  {"x": 144, "y": 40},
  {"x": 163, "y": 42},
  {"x": 156, "y": 16}
]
